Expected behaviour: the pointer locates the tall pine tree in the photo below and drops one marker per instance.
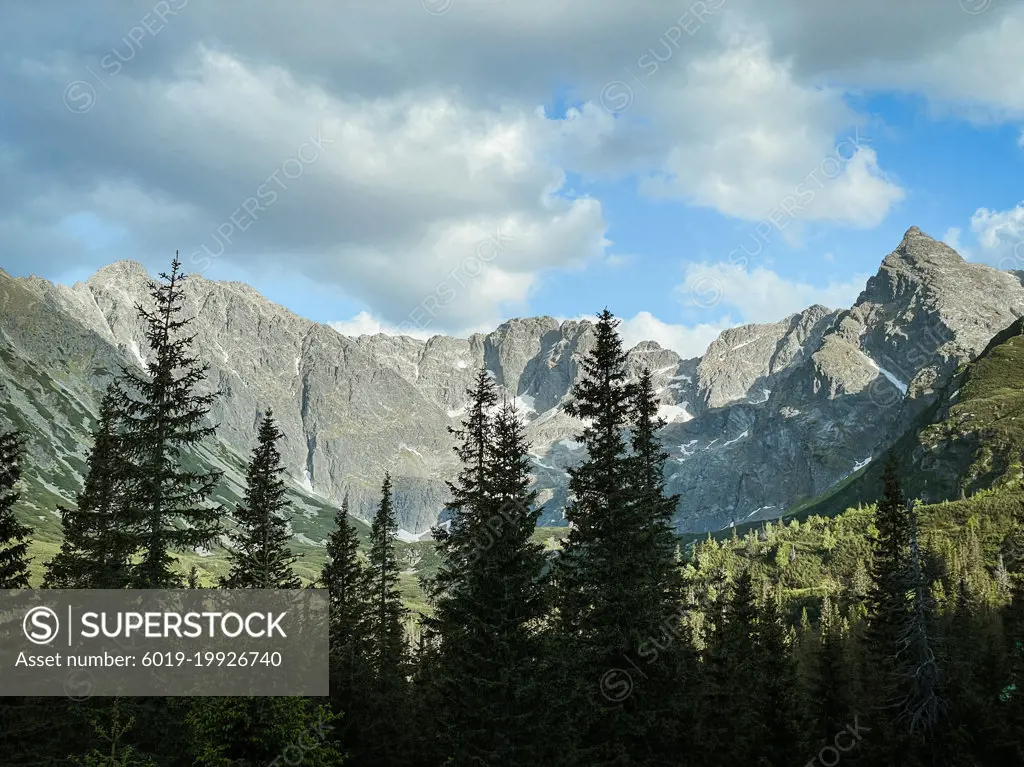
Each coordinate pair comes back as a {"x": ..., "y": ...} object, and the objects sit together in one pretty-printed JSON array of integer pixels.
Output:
[
  {"x": 490, "y": 598},
  {"x": 165, "y": 417},
  {"x": 386, "y": 658},
  {"x": 96, "y": 551},
  {"x": 730, "y": 724},
  {"x": 344, "y": 577},
  {"x": 14, "y": 536},
  {"x": 260, "y": 557},
  {"x": 889, "y": 610},
  {"x": 922, "y": 707},
  {"x": 616, "y": 588},
  {"x": 657, "y": 585},
  {"x": 459, "y": 541}
]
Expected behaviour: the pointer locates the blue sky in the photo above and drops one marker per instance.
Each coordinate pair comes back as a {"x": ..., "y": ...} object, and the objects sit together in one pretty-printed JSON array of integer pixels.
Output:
[{"x": 445, "y": 165}]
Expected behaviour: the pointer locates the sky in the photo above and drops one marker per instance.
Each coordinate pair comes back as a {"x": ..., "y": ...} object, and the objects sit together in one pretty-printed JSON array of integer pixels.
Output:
[{"x": 439, "y": 166}]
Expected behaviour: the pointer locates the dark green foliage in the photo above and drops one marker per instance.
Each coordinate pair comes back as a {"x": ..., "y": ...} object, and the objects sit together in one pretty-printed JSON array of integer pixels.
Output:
[
  {"x": 343, "y": 575},
  {"x": 490, "y": 599},
  {"x": 164, "y": 416},
  {"x": 831, "y": 694},
  {"x": 97, "y": 548},
  {"x": 385, "y": 698},
  {"x": 893, "y": 633},
  {"x": 258, "y": 732},
  {"x": 385, "y": 613},
  {"x": 113, "y": 727},
  {"x": 14, "y": 535},
  {"x": 618, "y": 590},
  {"x": 260, "y": 558},
  {"x": 774, "y": 688},
  {"x": 888, "y": 603}
]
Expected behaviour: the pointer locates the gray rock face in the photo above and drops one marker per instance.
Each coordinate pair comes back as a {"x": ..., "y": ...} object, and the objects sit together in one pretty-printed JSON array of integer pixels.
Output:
[{"x": 770, "y": 415}]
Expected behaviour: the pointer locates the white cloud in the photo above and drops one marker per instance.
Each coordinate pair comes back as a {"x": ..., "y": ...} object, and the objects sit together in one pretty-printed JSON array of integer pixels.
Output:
[
  {"x": 365, "y": 324},
  {"x": 417, "y": 200},
  {"x": 1000, "y": 236},
  {"x": 748, "y": 139},
  {"x": 437, "y": 138},
  {"x": 952, "y": 238},
  {"x": 687, "y": 341},
  {"x": 980, "y": 74},
  {"x": 759, "y": 294}
]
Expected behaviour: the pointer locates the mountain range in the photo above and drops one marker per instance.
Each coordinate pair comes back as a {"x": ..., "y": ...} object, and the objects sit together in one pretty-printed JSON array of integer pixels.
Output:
[{"x": 770, "y": 416}]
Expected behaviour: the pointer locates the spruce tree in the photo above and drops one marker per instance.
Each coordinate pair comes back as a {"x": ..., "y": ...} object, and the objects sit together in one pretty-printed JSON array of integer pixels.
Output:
[
  {"x": 96, "y": 551},
  {"x": 490, "y": 598},
  {"x": 830, "y": 699},
  {"x": 14, "y": 536},
  {"x": 386, "y": 656},
  {"x": 731, "y": 725},
  {"x": 344, "y": 577},
  {"x": 459, "y": 541},
  {"x": 889, "y": 609},
  {"x": 1012, "y": 694},
  {"x": 616, "y": 590},
  {"x": 774, "y": 686},
  {"x": 164, "y": 418},
  {"x": 922, "y": 708},
  {"x": 595, "y": 582},
  {"x": 1011, "y": 685},
  {"x": 260, "y": 557},
  {"x": 652, "y": 510},
  {"x": 888, "y": 604},
  {"x": 658, "y": 586}
]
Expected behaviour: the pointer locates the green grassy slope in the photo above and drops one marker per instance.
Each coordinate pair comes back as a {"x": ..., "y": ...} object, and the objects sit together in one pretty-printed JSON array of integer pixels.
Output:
[{"x": 970, "y": 439}]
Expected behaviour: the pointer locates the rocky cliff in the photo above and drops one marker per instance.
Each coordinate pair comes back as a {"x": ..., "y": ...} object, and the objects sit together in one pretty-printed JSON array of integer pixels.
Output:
[{"x": 770, "y": 415}]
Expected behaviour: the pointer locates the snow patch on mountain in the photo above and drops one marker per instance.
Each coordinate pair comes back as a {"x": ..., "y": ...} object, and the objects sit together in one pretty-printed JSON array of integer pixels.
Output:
[
  {"x": 688, "y": 449},
  {"x": 744, "y": 435},
  {"x": 525, "y": 404},
  {"x": 134, "y": 348},
  {"x": 675, "y": 413},
  {"x": 903, "y": 387},
  {"x": 406, "y": 537}
]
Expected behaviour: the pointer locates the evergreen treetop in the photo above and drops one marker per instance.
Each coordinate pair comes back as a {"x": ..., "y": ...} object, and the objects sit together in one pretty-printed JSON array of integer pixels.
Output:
[
  {"x": 165, "y": 418},
  {"x": 260, "y": 557}
]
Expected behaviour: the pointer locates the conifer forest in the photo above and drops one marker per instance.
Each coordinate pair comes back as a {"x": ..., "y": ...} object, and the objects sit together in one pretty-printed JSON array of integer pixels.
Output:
[
  {"x": 888, "y": 634},
  {"x": 511, "y": 383}
]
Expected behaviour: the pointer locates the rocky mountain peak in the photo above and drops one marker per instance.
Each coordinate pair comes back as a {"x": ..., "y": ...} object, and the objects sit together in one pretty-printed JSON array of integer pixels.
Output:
[
  {"x": 120, "y": 272},
  {"x": 922, "y": 251},
  {"x": 922, "y": 270},
  {"x": 770, "y": 415}
]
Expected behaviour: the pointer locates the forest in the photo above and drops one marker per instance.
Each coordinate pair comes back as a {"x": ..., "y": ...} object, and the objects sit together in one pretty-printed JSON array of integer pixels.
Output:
[{"x": 891, "y": 634}]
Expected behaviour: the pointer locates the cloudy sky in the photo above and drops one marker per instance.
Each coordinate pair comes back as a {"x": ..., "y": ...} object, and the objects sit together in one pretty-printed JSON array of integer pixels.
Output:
[{"x": 442, "y": 165}]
